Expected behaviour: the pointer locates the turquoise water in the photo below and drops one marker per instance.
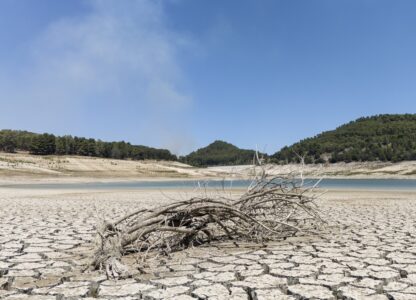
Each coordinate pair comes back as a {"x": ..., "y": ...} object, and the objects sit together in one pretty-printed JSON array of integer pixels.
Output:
[{"x": 368, "y": 184}]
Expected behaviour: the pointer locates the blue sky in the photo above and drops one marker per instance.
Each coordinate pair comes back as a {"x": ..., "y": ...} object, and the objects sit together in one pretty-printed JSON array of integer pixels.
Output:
[{"x": 182, "y": 73}]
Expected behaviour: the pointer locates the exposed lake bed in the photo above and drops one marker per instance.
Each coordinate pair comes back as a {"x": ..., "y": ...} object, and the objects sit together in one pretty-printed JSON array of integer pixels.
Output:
[
  {"x": 51, "y": 206},
  {"x": 365, "y": 251}
]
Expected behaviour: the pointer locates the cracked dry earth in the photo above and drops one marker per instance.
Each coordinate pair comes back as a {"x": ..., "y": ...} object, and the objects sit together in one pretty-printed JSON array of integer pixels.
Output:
[{"x": 367, "y": 251}]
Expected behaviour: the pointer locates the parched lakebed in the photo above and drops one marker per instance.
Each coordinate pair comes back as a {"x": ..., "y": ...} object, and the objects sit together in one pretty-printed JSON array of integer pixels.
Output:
[{"x": 366, "y": 251}]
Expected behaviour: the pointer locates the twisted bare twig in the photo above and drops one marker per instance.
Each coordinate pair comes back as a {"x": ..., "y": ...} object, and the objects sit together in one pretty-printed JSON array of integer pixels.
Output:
[{"x": 272, "y": 208}]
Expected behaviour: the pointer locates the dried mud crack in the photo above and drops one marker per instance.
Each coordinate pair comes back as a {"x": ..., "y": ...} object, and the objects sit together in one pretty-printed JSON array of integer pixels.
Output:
[{"x": 367, "y": 252}]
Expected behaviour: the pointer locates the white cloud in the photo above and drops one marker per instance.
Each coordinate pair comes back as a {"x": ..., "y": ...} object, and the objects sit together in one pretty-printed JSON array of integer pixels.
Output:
[{"x": 119, "y": 57}]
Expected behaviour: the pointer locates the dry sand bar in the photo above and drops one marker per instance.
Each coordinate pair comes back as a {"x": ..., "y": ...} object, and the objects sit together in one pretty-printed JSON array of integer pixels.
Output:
[{"x": 367, "y": 251}]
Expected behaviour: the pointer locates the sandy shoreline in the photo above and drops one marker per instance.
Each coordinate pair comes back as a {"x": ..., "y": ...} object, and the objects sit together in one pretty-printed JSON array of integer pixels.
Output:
[
  {"x": 25, "y": 168},
  {"x": 366, "y": 251}
]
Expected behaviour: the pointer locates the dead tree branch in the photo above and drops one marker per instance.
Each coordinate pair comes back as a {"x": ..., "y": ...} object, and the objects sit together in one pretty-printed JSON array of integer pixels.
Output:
[{"x": 272, "y": 208}]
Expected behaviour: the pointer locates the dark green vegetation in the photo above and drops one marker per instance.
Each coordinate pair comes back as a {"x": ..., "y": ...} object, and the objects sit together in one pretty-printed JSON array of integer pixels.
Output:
[
  {"x": 219, "y": 153},
  {"x": 47, "y": 144},
  {"x": 377, "y": 138}
]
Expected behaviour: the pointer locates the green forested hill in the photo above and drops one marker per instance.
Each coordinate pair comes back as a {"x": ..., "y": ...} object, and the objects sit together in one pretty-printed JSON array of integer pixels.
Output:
[
  {"x": 219, "y": 153},
  {"x": 47, "y": 144},
  {"x": 381, "y": 137}
]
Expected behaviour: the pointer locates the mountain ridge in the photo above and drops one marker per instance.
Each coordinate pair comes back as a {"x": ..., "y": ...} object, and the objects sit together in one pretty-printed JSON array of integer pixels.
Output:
[
  {"x": 385, "y": 137},
  {"x": 219, "y": 153}
]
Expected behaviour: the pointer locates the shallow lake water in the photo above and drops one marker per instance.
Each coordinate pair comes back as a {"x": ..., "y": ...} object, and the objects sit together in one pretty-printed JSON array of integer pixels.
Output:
[{"x": 329, "y": 183}]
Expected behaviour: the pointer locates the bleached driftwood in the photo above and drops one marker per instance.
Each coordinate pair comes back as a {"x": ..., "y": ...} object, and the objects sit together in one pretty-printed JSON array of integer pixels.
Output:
[{"x": 271, "y": 209}]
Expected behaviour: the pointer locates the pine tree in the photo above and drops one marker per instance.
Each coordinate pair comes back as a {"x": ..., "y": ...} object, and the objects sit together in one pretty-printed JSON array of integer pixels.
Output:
[{"x": 43, "y": 144}]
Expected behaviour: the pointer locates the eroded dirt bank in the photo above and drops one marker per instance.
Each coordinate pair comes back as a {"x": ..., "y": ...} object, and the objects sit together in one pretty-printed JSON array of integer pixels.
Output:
[{"x": 21, "y": 167}]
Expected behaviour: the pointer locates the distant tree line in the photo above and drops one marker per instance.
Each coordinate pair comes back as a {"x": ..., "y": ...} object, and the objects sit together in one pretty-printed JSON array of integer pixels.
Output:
[
  {"x": 376, "y": 138},
  {"x": 48, "y": 144}
]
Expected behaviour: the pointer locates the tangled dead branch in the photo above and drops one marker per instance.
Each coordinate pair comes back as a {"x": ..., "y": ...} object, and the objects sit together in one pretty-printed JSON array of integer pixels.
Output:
[{"x": 272, "y": 208}]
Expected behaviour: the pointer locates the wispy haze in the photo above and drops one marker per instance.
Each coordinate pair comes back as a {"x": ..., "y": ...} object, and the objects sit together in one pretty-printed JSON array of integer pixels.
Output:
[
  {"x": 180, "y": 74},
  {"x": 110, "y": 71}
]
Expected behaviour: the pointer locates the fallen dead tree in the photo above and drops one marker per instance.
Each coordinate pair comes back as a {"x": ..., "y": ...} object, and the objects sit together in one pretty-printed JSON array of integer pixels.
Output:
[{"x": 272, "y": 208}]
